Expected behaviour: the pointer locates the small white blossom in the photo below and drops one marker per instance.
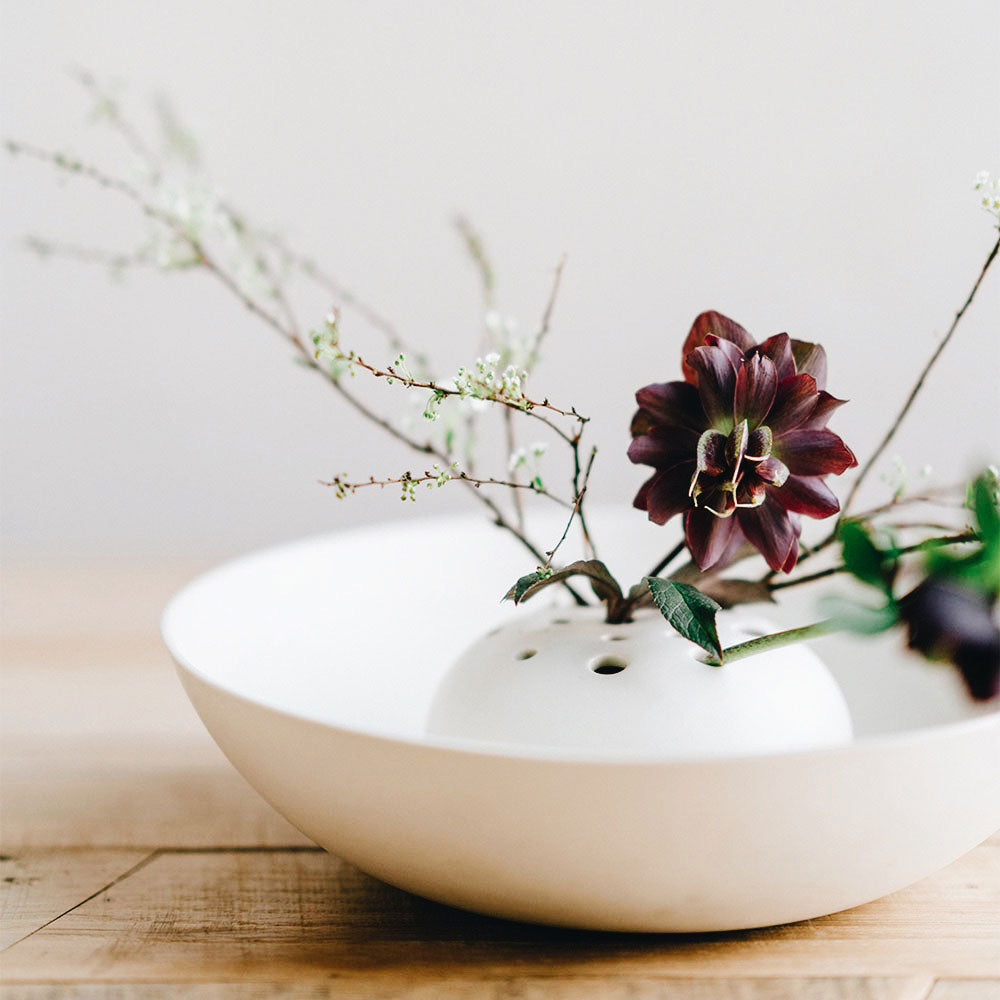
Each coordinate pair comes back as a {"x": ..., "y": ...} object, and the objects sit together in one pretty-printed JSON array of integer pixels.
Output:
[
  {"x": 988, "y": 188},
  {"x": 529, "y": 460},
  {"x": 326, "y": 348}
]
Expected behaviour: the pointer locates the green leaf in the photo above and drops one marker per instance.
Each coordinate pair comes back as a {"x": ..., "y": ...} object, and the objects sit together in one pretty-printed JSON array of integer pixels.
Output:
[
  {"x": 850, "y": 616},
  {"x": 861, "y": 556},
  {"x": 689, "y": 611},
  {"x": 524, "y": 583},
  {"x": 987, "y": 514},
  {"x": 605, "y": 586}
]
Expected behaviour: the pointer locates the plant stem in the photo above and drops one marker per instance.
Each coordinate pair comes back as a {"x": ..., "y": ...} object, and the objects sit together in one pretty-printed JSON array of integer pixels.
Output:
[
  {"x": 202, "y": 259},
  {"x": 927, "y": 543},
  {"x": 775, "y": 640},
  {"x": 891, "y": 433},
  {"x": 575, "y": 512},
  {"x": 668, "y": 558}
]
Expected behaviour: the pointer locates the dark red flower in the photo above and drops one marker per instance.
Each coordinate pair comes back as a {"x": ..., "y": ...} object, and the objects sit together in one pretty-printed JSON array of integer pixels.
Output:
[
  {"x": 946, "y": 621},
  {"x": 741, "y": 446}
]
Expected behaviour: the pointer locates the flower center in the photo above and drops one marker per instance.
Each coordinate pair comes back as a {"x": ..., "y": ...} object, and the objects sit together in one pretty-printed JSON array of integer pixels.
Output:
[{"x": 734, "y": 470}]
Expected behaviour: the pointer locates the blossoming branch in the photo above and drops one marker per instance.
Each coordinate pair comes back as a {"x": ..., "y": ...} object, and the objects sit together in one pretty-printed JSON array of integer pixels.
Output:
[{"x": 739, "y": 446}]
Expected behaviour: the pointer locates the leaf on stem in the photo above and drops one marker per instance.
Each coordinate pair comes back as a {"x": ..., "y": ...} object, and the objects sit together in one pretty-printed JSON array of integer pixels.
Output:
[
  {"x": 689, "y": 611},
  {"x": 605, "y": 586},
  {"x": 863, "y": 558},
  {"x": 851, "y": 616}
]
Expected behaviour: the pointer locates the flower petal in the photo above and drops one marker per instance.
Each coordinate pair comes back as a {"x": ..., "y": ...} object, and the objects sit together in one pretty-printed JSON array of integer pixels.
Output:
[
  {"x": 718, "y": 326},
  {"x": 825, "y": 405},
  {"x": 756, "y": 386},
  {"x": 811, "y": 360},
  {"x": 667, "y": 495},
  {"x": 716, "y": 384},
  {"x": 772, "y": 471},
  {"x": 751, "y": 492},
  {"x": 794, "y": 403},
  {"x": 672, "y": 403},
  {"x": 642, "y": 423},
  {"x": 779, "y": 349},
  {"x": 807, "y": 495},
  {"x": 712, "y": 453},
  {"x": 769, "y": 529},
  {"x": 642, "y": 497},
  {"x": 708, "y": 537},
  {"x": 759, "y": 444},
  {"x": 736, "y": 447},
  {"x": 793, "y": 555},
  {"x": 813, "y": 452},
  {"x": 728, "y": 348},
  {"x": 663, "y": 447}
]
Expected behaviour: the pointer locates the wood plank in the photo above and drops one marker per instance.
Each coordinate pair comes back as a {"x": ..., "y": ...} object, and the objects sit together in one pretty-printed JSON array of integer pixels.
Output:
[
  {"x": 512, "y": 988},
  {"x": 966, "y": 989},
  {"x": 159, "y": 795},
  {"x": 38, "y": 886},
  {"x": 281, "y": 915},
  {"x": 101, "y": 748}
]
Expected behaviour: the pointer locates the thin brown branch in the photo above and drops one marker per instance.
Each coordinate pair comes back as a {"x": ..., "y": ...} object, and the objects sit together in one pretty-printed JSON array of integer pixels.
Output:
[
  {"x": 441, "y": 477},
  {"x": 575, "y": 511},
  {"x": 935, "y": 496},
  {"x": 510, "y": 436},
  {"x": 344, "y": 296},
  {"x": 965, "y": 536},
  {"x": 108, "y": 108},
  {"x": 550, "y": 306},
  {"x": 521, "y": 405},
  {"x": 114, "y": 260},
  {"x": 668, "y": 558},
  {"x": 202, "y": 258},
  {"x": 476, "y": 250},
  {"x": 914, "y": 392}
]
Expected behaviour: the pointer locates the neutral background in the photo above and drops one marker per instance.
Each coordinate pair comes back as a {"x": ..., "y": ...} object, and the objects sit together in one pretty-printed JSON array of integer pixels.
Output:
[{"x": 800, "y": 166}]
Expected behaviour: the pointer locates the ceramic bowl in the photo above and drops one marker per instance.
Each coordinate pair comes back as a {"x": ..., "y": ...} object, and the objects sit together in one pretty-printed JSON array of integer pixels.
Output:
[{"x": 314, "y": 666}]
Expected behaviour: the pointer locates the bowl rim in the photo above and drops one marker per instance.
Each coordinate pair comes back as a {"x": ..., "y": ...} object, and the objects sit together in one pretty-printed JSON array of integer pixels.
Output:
[{"x": 988, "y": 719}]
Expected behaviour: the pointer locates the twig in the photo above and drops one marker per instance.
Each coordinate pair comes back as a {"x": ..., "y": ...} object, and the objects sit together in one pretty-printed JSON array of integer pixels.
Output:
[
  {"x": 88, "y": 255},
  {"x": 477, "y": 252},
  {"x": 575, "y": 511},
  {"x": 511, "y": 441},
  {"x": 108, "y": 107},
  {"x": 934, "y": 496},
  {"x": 891, "y": 433},
  {"x": 550, "y": 306},
  {"x": 965, "y": 536},
  {"x": 202, "y": 258},
  {"x": 441, "y": 478},
  {"x": 307, "y": 267},
  {"x": 668, "y": 558},
  {"x": 543, "y": 329}
]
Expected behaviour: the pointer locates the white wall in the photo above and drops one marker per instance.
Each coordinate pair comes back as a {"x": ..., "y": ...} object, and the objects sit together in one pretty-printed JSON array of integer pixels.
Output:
[{"x": 801, "y": 166}]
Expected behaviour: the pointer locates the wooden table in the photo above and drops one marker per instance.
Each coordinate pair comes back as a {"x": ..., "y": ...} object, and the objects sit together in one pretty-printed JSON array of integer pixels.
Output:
[{"x": 135, "y": 859}]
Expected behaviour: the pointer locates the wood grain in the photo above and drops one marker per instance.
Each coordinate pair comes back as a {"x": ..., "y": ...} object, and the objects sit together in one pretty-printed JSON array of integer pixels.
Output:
[
  {"x": 512, "y": 988},
  {"x": 39, "y": 886},
  {"x": 100, "y": 746},
  {"x": 965, "y": 989},
  {"x": 287, "y": 915},
  {"x": 142, "y": 864}
]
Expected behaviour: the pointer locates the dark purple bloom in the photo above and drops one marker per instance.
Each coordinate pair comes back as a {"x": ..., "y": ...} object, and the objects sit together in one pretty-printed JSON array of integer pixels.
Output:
[
  {"x": 740, "y": 447},
  {"x": 946, "y": 621}
]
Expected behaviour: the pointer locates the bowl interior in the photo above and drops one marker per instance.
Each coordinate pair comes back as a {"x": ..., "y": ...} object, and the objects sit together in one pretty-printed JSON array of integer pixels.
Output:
[{"x": 356, "y": 629}]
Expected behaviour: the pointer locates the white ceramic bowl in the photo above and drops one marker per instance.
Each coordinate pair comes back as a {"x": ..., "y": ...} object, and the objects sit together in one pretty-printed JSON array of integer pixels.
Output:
[{"x": 314, "y": 665}]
